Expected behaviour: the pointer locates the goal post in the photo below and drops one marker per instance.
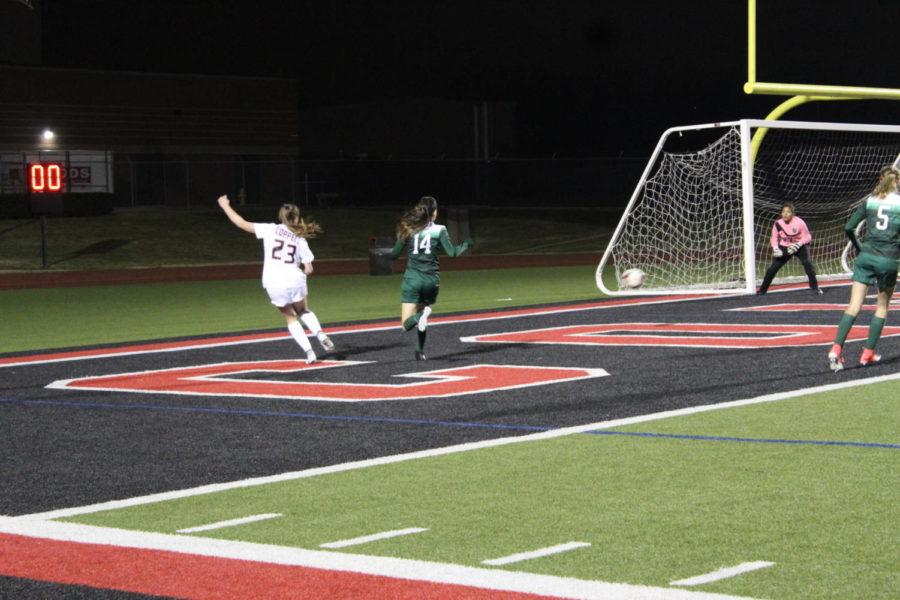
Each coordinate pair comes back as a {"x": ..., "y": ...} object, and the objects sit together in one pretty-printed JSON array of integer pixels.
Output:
[{"x": 701, "y": 216}]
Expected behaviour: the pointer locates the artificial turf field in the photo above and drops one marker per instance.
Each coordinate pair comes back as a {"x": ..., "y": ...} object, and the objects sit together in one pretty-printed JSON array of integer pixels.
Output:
[{"x": 800, "y": 486}]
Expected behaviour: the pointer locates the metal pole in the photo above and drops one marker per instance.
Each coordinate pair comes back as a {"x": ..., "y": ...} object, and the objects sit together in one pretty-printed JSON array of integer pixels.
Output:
[
  {"x": 43, "y": 241},
  {"x": 187, "y": 181},
  {"x": 306, "y": 187}
]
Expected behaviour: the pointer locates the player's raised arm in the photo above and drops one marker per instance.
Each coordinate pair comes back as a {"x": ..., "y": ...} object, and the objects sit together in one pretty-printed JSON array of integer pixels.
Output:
[
  {"x": 449, "y": 248},
  {"x": 235, "y": 218}
]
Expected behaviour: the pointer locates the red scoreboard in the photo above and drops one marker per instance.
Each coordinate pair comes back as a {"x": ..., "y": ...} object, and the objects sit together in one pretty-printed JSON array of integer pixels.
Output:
[{"x": 45, "y": 177}]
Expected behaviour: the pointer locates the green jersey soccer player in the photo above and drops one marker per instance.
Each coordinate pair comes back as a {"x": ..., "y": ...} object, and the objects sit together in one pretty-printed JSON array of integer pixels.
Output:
[
  {"x": 421, "y": 239},
  {"x": 876, "y": 264}
]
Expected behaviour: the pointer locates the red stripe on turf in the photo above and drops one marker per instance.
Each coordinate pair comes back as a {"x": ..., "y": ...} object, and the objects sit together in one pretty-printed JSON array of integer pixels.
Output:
[
  {"x": 164, "y": 573},
  {"x": 253, "y": 337}
]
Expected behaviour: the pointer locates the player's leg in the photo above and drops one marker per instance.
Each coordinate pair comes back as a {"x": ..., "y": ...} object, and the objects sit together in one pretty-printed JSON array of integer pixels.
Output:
[
  {"x": 876, "y": 325},
  {"x": 309, "y": 318},
  {"x": 777, "y": 263},
  {"x": 411, "y": 304},
  {"x": 803, "y": 255},
  {"x": 429, "y": 296},
  {"x": 296, "y": 331},
  {"x": 857, "y": 297}
]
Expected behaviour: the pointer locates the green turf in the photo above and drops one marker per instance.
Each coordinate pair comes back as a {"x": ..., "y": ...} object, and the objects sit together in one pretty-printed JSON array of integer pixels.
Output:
[
  {"x": 158, "y": 236},
  {"x": 64, "y": 317},
  {"x": 653, "y": 509}
]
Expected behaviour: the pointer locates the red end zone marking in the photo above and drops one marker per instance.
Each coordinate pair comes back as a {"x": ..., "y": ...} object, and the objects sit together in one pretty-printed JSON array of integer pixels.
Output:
[
  {"x": 733, "y": 336},
  {"x": 213, "y": 380},
  {"x": 143, "y": 348},
  {"x": 175, "y": 574},
  {"x": 803, "y": 307}
]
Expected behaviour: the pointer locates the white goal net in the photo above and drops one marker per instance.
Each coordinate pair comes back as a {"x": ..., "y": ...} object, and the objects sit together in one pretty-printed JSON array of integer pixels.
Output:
[{"x": 702, "y": 214}]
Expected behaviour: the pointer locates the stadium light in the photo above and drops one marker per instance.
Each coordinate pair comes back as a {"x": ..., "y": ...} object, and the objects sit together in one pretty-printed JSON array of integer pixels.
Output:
[{"x": 47, "y": 135}]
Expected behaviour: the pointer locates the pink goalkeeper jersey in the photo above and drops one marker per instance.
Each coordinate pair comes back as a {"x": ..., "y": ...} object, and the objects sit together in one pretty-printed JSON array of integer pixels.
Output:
[{"x": 795, "y": 232}]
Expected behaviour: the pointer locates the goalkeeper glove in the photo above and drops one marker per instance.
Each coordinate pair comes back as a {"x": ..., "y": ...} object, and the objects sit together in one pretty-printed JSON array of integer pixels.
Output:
[
  {"x": 777, "y": 253},
  {"x": 793, "y": 248}
]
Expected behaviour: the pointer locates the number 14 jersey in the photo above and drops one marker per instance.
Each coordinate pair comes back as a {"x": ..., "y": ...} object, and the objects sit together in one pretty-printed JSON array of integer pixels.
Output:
[{"x": 422, "y": 249}]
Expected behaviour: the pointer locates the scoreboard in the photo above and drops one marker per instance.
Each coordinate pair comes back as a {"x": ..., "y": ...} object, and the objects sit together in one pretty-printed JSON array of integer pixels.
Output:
[
  {"x": 48, "y": 177},
  {"x": 49, "y": 172}
]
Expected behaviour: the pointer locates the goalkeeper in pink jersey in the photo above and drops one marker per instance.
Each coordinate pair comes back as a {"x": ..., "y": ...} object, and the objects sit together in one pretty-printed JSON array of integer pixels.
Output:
[{"x": 790, "y": 238}]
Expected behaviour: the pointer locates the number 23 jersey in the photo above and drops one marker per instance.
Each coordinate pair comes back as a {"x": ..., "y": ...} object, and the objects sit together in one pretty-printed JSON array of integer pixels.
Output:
[{"x": 284, "y": 253}]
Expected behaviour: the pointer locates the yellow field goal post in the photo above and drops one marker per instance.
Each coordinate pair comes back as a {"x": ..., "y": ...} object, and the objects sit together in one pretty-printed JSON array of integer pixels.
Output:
[{"x": 701, "y": 215}]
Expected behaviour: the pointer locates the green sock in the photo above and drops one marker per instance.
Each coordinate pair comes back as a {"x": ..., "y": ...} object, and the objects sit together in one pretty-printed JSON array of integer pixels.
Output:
[
  {"x": 875, "y": 327},
  {"x": 420, "y": 341},
  {"x": 412, "y": 321},
  {"x": 844, "y": 329}
]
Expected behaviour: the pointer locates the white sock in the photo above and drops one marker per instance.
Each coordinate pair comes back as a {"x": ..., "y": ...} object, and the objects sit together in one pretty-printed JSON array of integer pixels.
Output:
[
  {"x": 309, "y": 319},
  {"x": 422, "y": 325},
  {"x": 299, "y": 335}
]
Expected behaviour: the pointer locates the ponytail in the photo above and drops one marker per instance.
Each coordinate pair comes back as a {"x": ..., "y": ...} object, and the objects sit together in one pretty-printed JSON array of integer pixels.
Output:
[
  {"x": 416, "y": 217},
  {"x": 888, "y": 181},
  {"x": 289, "y": 215}
]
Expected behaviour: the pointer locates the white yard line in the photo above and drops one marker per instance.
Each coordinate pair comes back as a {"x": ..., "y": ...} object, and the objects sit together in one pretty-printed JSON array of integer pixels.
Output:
[
  {"x": 540, "y": 552},
  {"x": 398, "y": 568},
  {"x": 231, "y": 523},
  {"x": 365, "y": 539},
  {"x": 724, "y": 573},
  {"x": 385, "y": 460}
]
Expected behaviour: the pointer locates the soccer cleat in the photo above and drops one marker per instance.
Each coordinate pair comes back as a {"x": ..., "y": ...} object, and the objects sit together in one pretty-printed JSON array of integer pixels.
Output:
[
  {"x": 420, "y": 355},
  {"x": 869, "y": 357},
  {"x": 327, "y": 344},
  {"x": 835, "y": 361},
  {"x": 818, "y": 291},
  {"x": 423, "y": 320},
  {"x": 760, "y": 292},
  {"x": 310, "y": 357}
]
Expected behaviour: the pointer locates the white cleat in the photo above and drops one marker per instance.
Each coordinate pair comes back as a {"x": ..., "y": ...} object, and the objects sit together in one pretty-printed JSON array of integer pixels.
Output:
[
  {"x": 423, "y": 320},
  {"x": 835, "y": 362},
  {"x": 310, "y": 357},
  {"x": 327, "y": 344}
]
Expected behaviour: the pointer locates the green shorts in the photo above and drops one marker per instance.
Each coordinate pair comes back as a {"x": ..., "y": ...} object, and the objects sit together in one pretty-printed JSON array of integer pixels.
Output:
[
  {"x": 419, "y": 288},
  {"x": 879, "y": 271}
]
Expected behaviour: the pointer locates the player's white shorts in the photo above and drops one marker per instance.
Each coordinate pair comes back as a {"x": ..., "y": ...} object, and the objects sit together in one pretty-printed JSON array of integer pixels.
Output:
[{"x": 282, "y": 296}]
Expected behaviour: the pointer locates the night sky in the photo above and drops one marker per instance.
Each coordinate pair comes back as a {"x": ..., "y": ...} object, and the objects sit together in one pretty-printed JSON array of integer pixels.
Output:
[{"x": 589, "y": 77}]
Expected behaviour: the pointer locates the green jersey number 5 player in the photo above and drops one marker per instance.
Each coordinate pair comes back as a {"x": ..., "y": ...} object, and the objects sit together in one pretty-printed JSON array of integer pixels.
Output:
[
  {"x": 420, "y": 238},
  {"x": 876, "y": 264}
]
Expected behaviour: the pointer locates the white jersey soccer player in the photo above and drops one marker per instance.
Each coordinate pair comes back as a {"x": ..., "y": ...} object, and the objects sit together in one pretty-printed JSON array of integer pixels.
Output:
[
  {"x": 285, "y": 255},
  {"x": 287, "y": 262}
]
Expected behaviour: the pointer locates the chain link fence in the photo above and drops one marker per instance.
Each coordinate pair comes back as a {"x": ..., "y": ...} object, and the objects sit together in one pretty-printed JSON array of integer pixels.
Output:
[{"x": 196, "y": 181}]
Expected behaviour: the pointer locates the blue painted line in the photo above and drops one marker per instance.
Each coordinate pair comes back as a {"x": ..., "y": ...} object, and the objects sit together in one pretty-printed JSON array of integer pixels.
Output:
[
  {"x": 264, "y": 413},
  {"x": 715, "y": 438},
  {"x": 399, "y": 421}
]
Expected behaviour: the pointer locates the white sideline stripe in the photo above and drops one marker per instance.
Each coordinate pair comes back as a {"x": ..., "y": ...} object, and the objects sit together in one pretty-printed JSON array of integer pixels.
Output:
[
  {"x": 724, "y": 573},
  {"x": 365, "y": 539},
  {"x": 398, "y": 568},
  {"x": 386, "y": 460},
  {"x": 557, "y": 549},
  {"x": 230, "y": 523},
  {"x": 278, "y": 336}
]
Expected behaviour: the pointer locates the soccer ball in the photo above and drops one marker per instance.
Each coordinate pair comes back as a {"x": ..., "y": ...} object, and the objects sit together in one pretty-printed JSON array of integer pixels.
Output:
[{"x": 633, "y": 278}]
